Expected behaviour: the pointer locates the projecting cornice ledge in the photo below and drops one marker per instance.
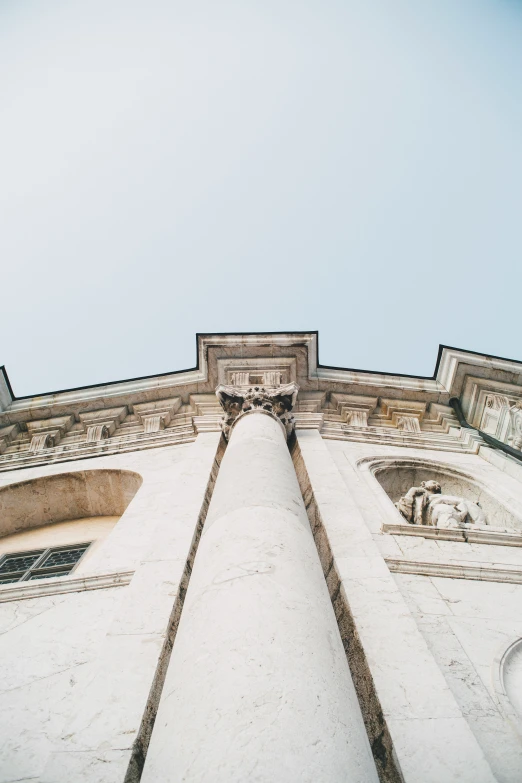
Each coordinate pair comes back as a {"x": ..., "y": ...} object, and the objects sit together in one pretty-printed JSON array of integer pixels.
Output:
[{"x": 270, "y": 358}]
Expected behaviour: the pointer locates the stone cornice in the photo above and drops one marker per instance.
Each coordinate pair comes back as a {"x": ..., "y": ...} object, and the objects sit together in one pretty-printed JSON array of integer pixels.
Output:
[
  {"x": 152, "y": 402},
  {"x": 456, "y": 570},
  {"x": 301, "y": 346},
  {"x": 469, "y": 536},
  {"x": 174, "y": 436},
  {"x": 63, "y": 584}
]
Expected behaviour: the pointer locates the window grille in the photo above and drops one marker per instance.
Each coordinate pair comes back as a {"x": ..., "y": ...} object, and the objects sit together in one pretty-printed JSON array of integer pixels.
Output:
[{"x": 40, "y": 563}]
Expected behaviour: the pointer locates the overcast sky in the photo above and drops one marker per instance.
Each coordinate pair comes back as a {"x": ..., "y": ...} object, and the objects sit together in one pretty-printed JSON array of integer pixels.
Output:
[{"x": 167, "y": 168}]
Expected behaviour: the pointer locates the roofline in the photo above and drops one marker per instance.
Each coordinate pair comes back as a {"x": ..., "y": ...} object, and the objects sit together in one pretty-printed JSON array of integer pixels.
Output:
[{"x": 256, "y": 334}]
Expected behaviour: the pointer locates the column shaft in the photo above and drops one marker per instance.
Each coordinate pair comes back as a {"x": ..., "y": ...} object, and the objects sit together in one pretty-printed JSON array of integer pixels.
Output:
[{"x": 258, "y": 687}]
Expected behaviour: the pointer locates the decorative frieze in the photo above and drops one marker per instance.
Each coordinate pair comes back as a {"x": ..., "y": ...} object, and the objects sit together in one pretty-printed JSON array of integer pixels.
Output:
[
  {"x": 240, "y": 379},
  {"x": 237, "y": 402},
  {"x": 256, "y": 371},
  {"x": 265, "y": 378}
]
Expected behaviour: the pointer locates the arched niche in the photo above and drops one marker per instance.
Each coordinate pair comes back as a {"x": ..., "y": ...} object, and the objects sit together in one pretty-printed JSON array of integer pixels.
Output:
[
  {"x": 511, "y": 676},
  {"x": 65, "y": 497},
  {"x": 397, "y": 476}
]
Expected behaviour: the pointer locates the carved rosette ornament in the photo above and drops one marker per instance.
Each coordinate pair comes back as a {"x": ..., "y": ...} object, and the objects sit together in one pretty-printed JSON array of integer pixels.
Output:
[{"x": 277, "y": 402}]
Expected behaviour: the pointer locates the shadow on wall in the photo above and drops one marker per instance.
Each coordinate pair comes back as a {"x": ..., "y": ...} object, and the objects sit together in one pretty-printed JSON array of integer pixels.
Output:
[
  {"x": 397, "y": 478},
  {"x": 66, "y": 496}
]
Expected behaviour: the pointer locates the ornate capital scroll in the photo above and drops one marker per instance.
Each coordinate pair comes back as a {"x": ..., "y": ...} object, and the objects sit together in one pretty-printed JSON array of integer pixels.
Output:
[
  {"x": 277, "y": 401},
  {"x": 42, "y": 441},
  {"x": 97, "y": 432}
]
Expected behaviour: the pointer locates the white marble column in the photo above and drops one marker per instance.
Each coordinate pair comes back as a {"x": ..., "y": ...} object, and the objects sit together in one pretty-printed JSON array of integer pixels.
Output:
[{"x": 258, "y": 687}]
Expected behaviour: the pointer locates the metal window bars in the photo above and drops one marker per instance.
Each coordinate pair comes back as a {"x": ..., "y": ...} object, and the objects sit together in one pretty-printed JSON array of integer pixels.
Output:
[{"x": 40, "y": 563}]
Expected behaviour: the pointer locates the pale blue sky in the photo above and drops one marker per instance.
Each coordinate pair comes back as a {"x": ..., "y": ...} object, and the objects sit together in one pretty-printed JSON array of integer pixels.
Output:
[{"x": 172, "y": 167}]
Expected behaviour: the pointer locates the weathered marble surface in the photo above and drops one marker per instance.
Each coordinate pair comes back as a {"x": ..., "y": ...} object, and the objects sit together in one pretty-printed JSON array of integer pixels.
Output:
[
  {"x": 431, "y": 737},
  {"x": 258, "y": 686},
  {"x": 91, "y": 736},
  {"x": 47, "y": 648},
  {"x": 431, "y": 646},
  {"x": 466, "y": 624}
]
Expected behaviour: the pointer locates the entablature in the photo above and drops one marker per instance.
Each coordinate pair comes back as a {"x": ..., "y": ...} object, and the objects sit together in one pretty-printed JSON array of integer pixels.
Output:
[{"x": 342, "y": 403}]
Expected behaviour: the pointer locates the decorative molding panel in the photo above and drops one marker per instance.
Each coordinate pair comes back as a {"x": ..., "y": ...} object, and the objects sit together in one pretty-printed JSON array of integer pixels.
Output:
[
  {"x": 63, "y": 584},
  {"x": 456, "y": 571},
  {"x": 493, "y": 537},
  {"x": 245, "y": 372}
]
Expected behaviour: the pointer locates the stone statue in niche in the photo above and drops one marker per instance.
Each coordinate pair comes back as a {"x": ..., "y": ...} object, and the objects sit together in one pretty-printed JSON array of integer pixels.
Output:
[
  {"x": 426, "y": 505},
  {"x": 515, "y": 414}
]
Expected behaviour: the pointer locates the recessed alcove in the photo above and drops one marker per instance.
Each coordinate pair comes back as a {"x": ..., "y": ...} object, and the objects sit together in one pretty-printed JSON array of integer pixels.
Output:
[
  {"x": 398, "y": 476},
  {"x": 65, "y": 497},
  {"x": 511, "y": 674}
]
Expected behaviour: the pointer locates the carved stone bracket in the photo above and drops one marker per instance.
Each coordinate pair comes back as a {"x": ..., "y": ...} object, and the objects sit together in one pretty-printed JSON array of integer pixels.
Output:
[
  {"x": 354, "y": 408},
  {"x": 101, "y": 424},
  {"x": 237, "y": 402},
  {"x": 155, "y": 416},
  {"x": 406, "y": 415},
  {"x": 47, "y": 433},
  {"x": 97, "y": 432},
  {"x": 408, "y": 423},
  {"x": 7, "y": 436},
  {"x": 44, "y": 440}
]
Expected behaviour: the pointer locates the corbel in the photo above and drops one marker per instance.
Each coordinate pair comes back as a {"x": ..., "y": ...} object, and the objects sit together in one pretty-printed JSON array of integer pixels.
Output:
[
  {"x": 155, "y": 416},
  {"x": 8, "y": 435},
  {"x": 354, "y": 409},
  {"x": 406, "y": 415},
  {"x": 101, "y": 424},
  {"x": 47, "y": 433}
]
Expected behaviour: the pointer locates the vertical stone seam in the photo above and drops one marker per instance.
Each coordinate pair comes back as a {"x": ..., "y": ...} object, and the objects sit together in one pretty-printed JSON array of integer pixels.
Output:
[
  {"x": 384, "y": 756},
  {"x": 141, "y": 743}
]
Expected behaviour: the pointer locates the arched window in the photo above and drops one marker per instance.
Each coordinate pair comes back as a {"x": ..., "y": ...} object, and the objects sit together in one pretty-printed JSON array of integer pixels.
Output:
[{"x": 51, "y": 524}]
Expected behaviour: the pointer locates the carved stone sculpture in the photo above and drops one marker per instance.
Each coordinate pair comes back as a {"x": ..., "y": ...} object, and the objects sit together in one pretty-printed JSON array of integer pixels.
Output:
[
  {"x": 278, "y": 401},
  {"x": 426, "y": 505},
  {"x": 515, "y": 414}
]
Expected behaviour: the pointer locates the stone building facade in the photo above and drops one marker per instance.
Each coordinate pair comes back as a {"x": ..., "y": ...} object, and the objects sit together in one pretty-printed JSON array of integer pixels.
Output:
[{"x": 264, "y": 569}]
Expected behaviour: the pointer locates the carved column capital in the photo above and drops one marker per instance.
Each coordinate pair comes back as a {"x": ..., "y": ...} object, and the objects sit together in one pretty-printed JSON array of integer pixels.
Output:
[{"x": 277, "y": 402}]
